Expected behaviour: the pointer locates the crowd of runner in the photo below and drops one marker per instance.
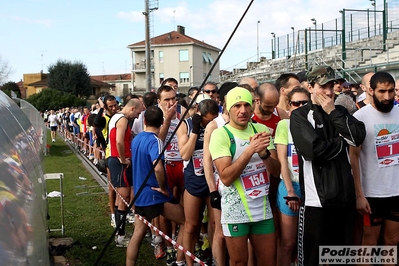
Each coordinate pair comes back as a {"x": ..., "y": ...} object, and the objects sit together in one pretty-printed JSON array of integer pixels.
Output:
[{"x": 248, "y": 173}]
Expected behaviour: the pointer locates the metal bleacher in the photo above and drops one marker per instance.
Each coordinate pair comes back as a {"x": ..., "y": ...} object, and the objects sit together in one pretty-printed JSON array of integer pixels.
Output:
[{"x": 363, "y": 50}]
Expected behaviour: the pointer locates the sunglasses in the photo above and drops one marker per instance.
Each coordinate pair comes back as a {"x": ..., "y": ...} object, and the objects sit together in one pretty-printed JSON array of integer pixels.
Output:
[
  {"x": 209, "y": 91},
  {"x": 298, "y": 103}
]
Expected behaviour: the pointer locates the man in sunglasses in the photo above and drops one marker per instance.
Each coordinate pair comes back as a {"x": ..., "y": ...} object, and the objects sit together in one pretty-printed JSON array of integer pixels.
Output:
[
  {"x": 322, "y": 133},
  {"x": 211, "y": 89}
]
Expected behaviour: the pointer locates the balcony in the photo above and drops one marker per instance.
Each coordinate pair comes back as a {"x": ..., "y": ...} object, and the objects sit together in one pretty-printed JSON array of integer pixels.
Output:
[{"x": 140, "y": 67}]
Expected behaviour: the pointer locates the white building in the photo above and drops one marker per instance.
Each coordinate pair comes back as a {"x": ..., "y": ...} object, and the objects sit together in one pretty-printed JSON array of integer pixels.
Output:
[{"x": 177, "y": 55}]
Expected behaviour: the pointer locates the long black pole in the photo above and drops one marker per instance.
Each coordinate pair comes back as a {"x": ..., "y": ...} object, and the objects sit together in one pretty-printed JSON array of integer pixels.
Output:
[{"x": 174, "y": 132}]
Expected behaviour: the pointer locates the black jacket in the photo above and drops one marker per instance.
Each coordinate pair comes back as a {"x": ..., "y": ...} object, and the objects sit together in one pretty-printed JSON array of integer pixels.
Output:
[{"x": 321, "y": 141}]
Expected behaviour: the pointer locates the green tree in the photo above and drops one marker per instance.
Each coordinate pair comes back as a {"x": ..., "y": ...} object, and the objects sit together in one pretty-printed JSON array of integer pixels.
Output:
[
  {"x": 69, "y": 77},
  {"x": 11, "y": 86},
  {"x": 49, "y": 99}
]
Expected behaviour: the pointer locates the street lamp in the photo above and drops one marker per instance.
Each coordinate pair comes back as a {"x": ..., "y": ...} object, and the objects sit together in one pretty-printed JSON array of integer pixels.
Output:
[
  {"x": 315, "y": 28},
  {"x": 375, "y": 19},
  {"x": 191, "y": 76},
  {"x": 293, "y": 40},
  {"x": 257, "y": 38},
  {"x": 274, "y": 46}
]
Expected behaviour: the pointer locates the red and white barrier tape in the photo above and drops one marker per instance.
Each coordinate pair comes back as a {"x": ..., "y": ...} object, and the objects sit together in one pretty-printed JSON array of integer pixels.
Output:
[{"x": 162, "y": 234}]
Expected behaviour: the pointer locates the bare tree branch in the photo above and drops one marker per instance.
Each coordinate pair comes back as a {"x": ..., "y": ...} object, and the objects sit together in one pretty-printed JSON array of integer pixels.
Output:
[{"x": 5, "y": 70}]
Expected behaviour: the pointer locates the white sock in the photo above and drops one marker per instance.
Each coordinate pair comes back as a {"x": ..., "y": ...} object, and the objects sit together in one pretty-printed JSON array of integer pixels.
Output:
[{"x": 158, "y": 239}]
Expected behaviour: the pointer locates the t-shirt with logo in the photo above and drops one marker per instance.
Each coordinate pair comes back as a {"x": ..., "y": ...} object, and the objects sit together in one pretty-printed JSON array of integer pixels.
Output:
[
  {"x": 239, "y": 203},
  {"x": 379, "y": 156}
]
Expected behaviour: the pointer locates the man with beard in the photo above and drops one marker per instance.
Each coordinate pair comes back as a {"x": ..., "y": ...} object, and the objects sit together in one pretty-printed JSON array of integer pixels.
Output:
[
  {"x": 375, "y": 163},
  {"x": 322, "y": 132}
]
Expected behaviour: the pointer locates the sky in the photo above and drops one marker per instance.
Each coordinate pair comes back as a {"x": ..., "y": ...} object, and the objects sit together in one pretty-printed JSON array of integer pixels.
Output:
[{"x": 37, "y": 33}]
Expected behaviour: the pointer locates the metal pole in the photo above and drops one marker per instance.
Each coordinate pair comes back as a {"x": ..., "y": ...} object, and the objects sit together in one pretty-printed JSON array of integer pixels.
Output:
[
  {"x": 273, "y": 45},
  {"x": 351, "y": 32},
  {"x": 336, "y": 32},
  {"x": 384, "y": 26},
  {"x": 278, "y": 47},
  {"x": 272, "y": 48},
  {"x": 375, "y": 20},
  {"x": 306, "y": 49},
  {"x": 315, "y": 30},
  {"x": 310, "y": 39},
  {"x": 368, "y": 23},
  {"x": 293, "y": 40},
  {"x": 288, "y": 44},
  {"x": 147, "y": 46},
  {"x": 343, "y": 40},
  {"x": 322, "y": 35},
  {"x": 257, "y": 39}
]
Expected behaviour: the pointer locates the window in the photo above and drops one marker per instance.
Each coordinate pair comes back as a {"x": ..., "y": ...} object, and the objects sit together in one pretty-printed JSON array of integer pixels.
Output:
[
  {"x": 184, "y": 77},
  {"x": 183, "y": 55},
  {"x": 205, "y": 57},
  {"x": 209, "y": 78},
  {"x": 161, "y": 78},
  {"x": 160, "y": 56},
  {"x": 210, "y": 58}
]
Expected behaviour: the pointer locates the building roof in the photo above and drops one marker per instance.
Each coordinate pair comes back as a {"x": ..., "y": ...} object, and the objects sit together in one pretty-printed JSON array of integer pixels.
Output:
[
  {"x": 20, "y": 84},
  {"x": 40, "y": 83},
  {"x": 99, "y": 84},
  {"x": 112, "y": 77},
  {"x": 173, "y": 38}
]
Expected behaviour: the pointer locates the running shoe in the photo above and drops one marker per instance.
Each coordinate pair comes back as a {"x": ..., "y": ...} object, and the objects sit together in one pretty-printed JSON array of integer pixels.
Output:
[
  {"x": 199, "y": 254},
  {"x": 170, "y": 257},
  {"x": 156, "y": 240},
  {"x": 148, "y": 234},
  {"x": 122, "y": 241},
  {"x": 159, "y": 251},
  {"x": 205, "y": 242},
  {"x": 130, "y": 218}
]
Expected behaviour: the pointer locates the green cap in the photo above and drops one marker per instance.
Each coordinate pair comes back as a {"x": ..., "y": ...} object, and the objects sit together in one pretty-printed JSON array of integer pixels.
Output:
[
  {"x": 320, "y": 74},
  {"x": 236, "y": 95}
]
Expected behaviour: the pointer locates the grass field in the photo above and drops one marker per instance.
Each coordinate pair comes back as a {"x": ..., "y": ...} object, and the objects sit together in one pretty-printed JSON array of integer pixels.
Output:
[{"x": 86, "y": 215}]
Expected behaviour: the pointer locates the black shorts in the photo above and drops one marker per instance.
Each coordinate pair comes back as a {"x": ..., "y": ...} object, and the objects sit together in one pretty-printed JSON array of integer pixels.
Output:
[
  {"x": 121, "y": 174},
  {"x": 153, "y": 211},
  {"x": 53, "y": 128},
  {"x": 382, "y": 209},
  {"x": 196, "y": 185},
  {"x": 100, "y": 141}
]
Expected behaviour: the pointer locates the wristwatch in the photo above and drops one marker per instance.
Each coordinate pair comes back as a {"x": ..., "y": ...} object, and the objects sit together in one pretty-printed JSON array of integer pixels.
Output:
[{"x": 266, "y": 156}]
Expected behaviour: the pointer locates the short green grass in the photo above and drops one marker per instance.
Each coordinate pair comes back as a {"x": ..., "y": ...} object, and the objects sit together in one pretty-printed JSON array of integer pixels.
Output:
[{"x": 86, "y": 217}]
